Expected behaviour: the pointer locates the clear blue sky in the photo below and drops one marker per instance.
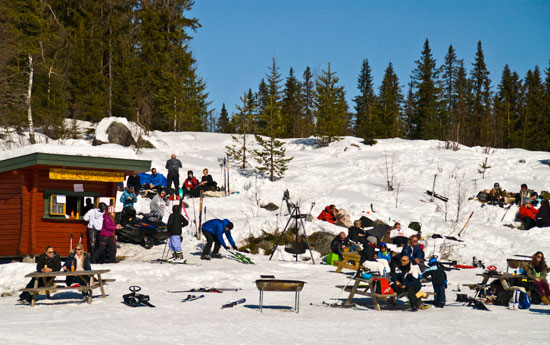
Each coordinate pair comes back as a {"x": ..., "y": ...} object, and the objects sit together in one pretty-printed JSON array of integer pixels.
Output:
[{"x": 238, "y": 38}]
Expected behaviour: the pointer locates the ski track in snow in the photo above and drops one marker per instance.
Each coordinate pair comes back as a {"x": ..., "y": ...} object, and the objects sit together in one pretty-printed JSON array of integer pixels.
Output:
[{"x": 347, "y": 174}]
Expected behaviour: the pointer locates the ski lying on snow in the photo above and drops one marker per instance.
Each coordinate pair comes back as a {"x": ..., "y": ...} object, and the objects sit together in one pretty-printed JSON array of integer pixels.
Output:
[
  {"x": 214, "y": 290},
  {"x": 352, "y": 306},
  {"x": 438, "y": 196},
  {"x": 191, "y": 298},
  {"x": 232, "y": 304},
  {"x": 162, "y": 261},
  {"x": 241, "y": 257}
]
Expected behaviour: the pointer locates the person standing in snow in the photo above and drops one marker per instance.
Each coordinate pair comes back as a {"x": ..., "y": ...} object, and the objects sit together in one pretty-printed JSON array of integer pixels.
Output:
[
  {"x": 213, "y": 231},
  {"x": 176, "y": 222},
  {"x": 106, "y": 251},
  {"x": 158, "y": 205},
  {"x": 94, "y": 217},
  {"x": 407, "y": 280},
  {"x": 439, "y": 281},
  {"x": 173, "y": 166},
  {"x": 47, "y": 262}
]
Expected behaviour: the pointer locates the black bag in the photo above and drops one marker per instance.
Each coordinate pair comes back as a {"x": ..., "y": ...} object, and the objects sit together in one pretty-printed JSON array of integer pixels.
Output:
[{"x": 482, "y": 196}]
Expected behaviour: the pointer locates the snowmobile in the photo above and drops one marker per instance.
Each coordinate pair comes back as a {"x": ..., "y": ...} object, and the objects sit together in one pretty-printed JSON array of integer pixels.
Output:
[{"x": 141, "y": 229}]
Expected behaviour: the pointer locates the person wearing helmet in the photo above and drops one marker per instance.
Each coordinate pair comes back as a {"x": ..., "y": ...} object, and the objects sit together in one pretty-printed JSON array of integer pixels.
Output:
[
  {"x": 439, "y": 281},
  {"x": 94, "y": 217},
  {"x": 213, "y": 231}
]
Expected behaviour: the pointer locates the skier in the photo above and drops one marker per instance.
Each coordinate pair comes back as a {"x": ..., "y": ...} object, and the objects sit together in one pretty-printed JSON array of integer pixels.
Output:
[
  {"x": 94, "y": 217},
  {"x": 407, "y": 279},
  {"x": 173, "y": 166},
  {"x": 213, "y": 231},
  {"x": 47, "y": 262},
  {"x": 176, "y": 222},
  {"x": 439, "y": 281}
]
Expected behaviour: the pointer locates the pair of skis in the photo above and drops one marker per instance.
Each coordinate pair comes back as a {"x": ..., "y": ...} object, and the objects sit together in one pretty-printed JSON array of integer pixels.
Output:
[
  {"x": 192, "y": 298},
  {"x": 241, "y": 257},
  {"x": 225, "y": 175},
  {"x": 79, "y": 241},
  {"x": 232, "y": 304},
  {"x": 198, "y": 229}
]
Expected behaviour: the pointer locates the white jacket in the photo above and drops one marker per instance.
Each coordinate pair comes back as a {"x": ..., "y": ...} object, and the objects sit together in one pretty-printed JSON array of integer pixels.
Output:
[{"x": 94, "y": 217}]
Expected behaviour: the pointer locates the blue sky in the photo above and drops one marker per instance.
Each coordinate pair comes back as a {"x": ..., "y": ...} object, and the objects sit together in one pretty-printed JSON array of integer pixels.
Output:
[{"x": 238, "y": 38}]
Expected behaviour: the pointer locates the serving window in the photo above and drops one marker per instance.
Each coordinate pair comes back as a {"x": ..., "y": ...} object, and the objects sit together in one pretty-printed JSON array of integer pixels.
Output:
[{"x": 69, "y": 205}]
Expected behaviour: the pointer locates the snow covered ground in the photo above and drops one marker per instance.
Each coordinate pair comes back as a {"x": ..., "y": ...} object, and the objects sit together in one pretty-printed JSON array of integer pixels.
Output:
[{"x": 347, "y": 174}]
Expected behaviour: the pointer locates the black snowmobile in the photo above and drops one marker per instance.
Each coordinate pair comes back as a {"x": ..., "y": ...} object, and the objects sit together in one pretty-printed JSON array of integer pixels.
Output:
[{"x": 141, "y": 229}]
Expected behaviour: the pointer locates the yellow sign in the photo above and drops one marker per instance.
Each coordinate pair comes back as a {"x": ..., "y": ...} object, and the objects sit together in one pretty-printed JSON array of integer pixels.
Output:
[{"x": 86, "y": 175}]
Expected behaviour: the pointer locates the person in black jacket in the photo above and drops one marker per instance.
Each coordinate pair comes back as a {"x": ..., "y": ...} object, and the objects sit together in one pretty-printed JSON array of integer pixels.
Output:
[
  {"x": 47, "y": 262},
  {"x": 207, "y": 182},
  {"x": 77, "y": 261},
  {"x": 439, "y": 281},
  {"x": 133, "y": 181},
  {"x": 339, "y": 244},
  {"x": 176, "y": 222},
  {"x": 543, "y": 217},
  {"x": 407, "y": 279},
  {"x": 173, "y": 166}
]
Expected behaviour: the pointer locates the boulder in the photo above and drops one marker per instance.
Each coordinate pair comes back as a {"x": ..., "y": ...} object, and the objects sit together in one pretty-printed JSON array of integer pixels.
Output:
[
  {"x": 120, "y": 134},
  {"x": 270, "y": 206},
  {"x": 320, "y": 241}
]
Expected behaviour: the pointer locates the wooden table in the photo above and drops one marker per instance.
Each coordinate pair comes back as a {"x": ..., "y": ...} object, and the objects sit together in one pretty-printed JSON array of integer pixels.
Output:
[
  {"x": 366, "y": 287},
  {"x": 503, "y": 277},
  {"x": 92, "y": 277}
]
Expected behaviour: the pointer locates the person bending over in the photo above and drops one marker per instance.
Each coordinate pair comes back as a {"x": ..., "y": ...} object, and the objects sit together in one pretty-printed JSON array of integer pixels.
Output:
[{"x": 213, "y": 231}]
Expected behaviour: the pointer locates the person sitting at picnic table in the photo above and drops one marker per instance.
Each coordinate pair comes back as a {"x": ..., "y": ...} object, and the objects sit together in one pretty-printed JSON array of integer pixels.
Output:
[
  {"x": 339, "y": 244},
  {"x": 372, "y": 262},
  {"x": 398, "y": 236},
  {"x": 528, "y": 214},
  {"x": 77, "y": 261},
  {"x": 207, "y": 182},
  {"x": 384, "y": 253},
  {"x": 536, "y": 271},
  {"x": 407, "y": 280},
  {"x": 190, "y": 185},
  {"x": 329, "y": 214},
  {"x": 496, "y": 195},
  {"x": 49, "y": 261}
]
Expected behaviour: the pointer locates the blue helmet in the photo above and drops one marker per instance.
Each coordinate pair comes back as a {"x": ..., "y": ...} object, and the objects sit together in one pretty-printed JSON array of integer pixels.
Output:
[{"x": 433, "y": 261}]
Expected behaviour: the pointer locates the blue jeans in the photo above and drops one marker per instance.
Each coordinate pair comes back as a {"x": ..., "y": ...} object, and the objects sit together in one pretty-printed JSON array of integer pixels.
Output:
[{"x": 439, "y": 299}]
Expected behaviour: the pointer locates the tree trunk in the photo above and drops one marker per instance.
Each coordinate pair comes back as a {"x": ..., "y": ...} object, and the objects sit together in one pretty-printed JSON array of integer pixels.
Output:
[
  {"x": 29, "y": 106},
  {"x": 110, "y": 110}
]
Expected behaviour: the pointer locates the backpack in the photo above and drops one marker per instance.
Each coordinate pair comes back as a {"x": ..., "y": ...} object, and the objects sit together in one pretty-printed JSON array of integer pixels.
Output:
[
  {"x": 520, "y": 300},
  {"x": 382, "y": 286},
  {"x": 482, "y": 196}
]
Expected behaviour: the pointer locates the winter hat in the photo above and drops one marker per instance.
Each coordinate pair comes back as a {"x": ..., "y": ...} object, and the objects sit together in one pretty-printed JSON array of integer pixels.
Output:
[
  {"x": 383, "y": 244},
  {"x": 372, "y": 239},
  {"x": 433, "y": 261}
]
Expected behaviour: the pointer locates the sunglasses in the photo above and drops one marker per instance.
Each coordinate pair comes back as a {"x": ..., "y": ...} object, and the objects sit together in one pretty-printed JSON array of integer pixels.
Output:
[
  {"x": 539, "y": 256},
  {"x": 78, "y": 249},
  {"x": 50, "y": 252}
]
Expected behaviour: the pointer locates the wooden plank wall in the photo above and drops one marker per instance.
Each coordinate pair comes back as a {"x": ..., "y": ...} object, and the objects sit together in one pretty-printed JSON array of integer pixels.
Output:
[{"x": 10, "y": 212}]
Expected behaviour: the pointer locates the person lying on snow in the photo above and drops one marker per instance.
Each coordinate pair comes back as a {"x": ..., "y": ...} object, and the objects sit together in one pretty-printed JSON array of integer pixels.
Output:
[
  {"x": 49, "y": 261},
  {"x": 339, "y": 244},
  {"x": 528, "y": 214},
  {"x": 536, "y": 272},
  {"x": 407, "y": 280},
  {"x": 329, "y": 214},
  {"x": 372, "y": 262},
  {"x": 439, "y": 281},
  {"x": 213, "y": 231},
  {"x": 496, "y": 195}
]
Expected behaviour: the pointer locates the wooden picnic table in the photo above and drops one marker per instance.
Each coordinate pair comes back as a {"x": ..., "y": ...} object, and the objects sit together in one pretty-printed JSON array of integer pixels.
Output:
[
  {"x": 503, "y": 277},
  {"x": 366, "y": 287},
  {"x": 92, "y": 278}
]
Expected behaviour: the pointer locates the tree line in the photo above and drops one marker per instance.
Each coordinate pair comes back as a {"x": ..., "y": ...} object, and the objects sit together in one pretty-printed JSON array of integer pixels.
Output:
[
  {"x": 448, "y": 102},
  {"x": 89, "y": 59}
]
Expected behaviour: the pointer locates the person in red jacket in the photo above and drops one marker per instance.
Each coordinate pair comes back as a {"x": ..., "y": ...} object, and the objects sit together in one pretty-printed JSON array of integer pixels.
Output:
[
  {"x": 329, "y": 214},
  {"x": 528, "y": 213},
  {"x": 190, "y": 186}
]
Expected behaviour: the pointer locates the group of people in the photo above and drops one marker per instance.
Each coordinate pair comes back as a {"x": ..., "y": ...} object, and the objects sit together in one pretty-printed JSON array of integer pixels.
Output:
[
  {"x": 404, "y": 269},
  {"x": 191, "y": 186},
  {"x": 101, "y": 233}
]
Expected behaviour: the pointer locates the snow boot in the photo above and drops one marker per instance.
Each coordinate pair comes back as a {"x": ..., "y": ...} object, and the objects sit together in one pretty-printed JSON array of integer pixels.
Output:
[
  {"x": 545, "y": 300},
  {"x": 217, "y": 256},
  {"x": 178, "y": 257},
  {"x": 205, "y": 257}
]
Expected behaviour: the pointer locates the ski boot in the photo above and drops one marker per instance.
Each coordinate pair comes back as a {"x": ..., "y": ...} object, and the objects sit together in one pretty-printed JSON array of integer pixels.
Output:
[
  {"x": 205, "y": 257},
  {"x": 217, "y": 256},
  {"x": 178, "y": 257}
]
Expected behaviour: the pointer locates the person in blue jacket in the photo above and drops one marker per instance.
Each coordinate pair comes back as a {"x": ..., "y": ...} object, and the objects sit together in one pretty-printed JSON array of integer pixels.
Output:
[
  {"x": 213, "y": 231},
  {"x": 384, "y": 253},
  {"x": 128, "y": 198},
  {"x": 415, "y": 252}
]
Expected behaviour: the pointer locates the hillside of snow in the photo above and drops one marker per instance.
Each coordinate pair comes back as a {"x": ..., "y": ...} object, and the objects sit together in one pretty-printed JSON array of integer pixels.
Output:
[{"x": 348, "y": 174}]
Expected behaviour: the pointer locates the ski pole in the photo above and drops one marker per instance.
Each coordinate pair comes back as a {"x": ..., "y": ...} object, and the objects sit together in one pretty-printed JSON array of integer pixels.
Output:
[
  {"x": 464, "y": 227},
  {"x": 195, "y": 218},
  {"x": 165, "y": 245}
]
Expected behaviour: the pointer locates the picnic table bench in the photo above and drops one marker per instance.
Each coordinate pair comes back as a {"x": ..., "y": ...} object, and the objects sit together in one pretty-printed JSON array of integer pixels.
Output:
[
  {"x": 93, "y": 278},
  {"x": 366, "y": 287},
  {"x": 503, "y": 277},
  {"x": 350, "y": 260}
]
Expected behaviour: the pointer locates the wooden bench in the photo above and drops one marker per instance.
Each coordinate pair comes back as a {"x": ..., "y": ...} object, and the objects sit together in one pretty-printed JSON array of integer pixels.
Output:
[
  {"x": 92, "y": 277},
  {"x": 365, "y": 287},
  {"x": 351, "y": 260}
]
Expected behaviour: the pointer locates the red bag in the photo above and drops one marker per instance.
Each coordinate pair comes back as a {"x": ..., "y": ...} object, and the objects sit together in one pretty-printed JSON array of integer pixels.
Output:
[{"x": 382, "y": 286}]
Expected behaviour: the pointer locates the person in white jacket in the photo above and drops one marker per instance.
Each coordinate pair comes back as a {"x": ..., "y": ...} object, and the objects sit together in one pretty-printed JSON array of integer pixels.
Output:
[{"x": 94, "y": 217}]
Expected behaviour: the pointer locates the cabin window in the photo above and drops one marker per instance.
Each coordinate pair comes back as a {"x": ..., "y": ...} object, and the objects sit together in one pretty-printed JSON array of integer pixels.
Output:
[
  {"x": 58, "y": 204},
  {"x": 70, "y": 205}
]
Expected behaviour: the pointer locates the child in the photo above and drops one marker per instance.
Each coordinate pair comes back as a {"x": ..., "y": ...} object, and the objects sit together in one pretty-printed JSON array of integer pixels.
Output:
[
  {"x": 384, "y": 252},
  {"x": 175, "y": 223},
  {"x": 439, "y": 281}
]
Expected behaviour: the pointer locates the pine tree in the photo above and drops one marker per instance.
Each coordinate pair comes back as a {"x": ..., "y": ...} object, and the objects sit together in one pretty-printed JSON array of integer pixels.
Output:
[
  {"x": 364, "y": 105},
  {"x": 462, "y": 111},
  {"x": 426, "y": 116},
  {"x": 243, "y": 122},
  {"x": 532, "y": 137},
  {"x": 480, "y": 127},
  {"x": 308, "y": 103},
  {"x": 330, "y": 108},
  {"x": 389, "y": 105},
  {"x": 449, "y": 74},
  {"x": 224, "y": 124},
  {"x": 508, "y": 108},
  {"x": 292, "y": 107},
  {"x": 271, "y": 157}
]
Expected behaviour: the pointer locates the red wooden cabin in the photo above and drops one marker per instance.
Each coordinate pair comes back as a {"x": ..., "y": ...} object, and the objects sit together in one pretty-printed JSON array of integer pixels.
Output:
[{"x": 43, "y": 195}]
